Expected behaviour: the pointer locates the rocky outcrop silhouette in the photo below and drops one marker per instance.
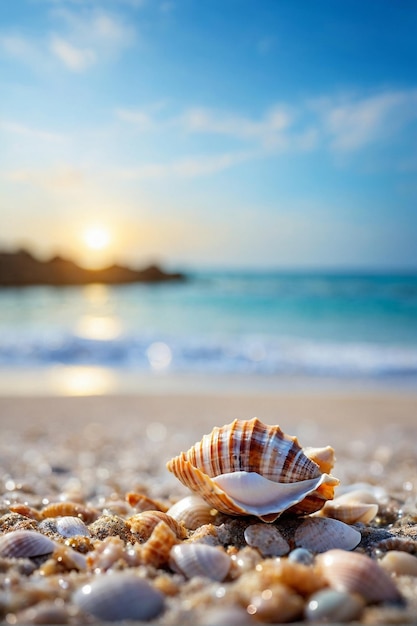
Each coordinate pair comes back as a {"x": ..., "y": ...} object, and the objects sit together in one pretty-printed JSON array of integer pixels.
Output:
[{"x": 21, "y": 268}]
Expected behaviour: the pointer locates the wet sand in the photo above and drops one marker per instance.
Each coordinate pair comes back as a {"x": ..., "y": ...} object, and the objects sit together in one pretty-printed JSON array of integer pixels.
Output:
[{"x": 98, "y": 448}]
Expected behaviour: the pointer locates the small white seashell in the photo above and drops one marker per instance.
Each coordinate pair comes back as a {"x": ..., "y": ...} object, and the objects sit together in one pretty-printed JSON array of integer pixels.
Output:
[
  {"x": 319, "y": 534},
  {"x": 192, "y": 511},
  {"x": 198, "y": 559},
  {"x": 357, "y": 573},
  {"x": 25, "y": 543},
  {"x": 70, "y": 526},
  {"x": 399, "y": 563},
  {"x": 267, "y": 539},
  {"x": 119, "y": 596},
  {"x": 334, "y": 606}
]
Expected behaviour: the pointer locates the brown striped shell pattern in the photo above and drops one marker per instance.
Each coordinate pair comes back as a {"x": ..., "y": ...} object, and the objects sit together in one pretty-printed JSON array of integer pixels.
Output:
[{"x": 250, "y": 468}]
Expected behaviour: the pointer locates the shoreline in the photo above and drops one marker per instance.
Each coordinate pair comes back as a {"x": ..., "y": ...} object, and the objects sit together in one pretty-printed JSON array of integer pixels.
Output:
[{"x": 65, "y": 380}]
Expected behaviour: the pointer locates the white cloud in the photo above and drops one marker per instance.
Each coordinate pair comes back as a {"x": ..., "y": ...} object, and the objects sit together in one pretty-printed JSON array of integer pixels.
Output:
[
  {"x": 79, "y": 39},
  {"x": 201, "y": 120},
  {"x": 75, "y": 59},
  {"x": 337, "y": 124},
  {"x": 354, "y": 123},
  {"x": 189, "y": 167}
]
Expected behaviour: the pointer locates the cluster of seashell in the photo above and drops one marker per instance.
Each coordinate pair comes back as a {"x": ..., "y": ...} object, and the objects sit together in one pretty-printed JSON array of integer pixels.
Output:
[{"x": 254, "y": 563}]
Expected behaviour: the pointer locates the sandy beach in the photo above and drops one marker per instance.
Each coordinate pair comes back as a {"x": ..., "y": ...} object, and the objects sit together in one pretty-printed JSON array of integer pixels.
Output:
[{"x": 96, "y": 449}]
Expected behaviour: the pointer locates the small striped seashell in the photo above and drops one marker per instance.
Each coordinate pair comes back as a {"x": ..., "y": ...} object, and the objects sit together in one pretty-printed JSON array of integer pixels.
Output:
[
  {"x": 319, "y": 534},
  {"x": 350, "y": 513},
  {"x": 25, "y": 510},
  {"x": 399, "y": 563},
  {"x": 140, "y": 502},
  {"x": 156, "y": 551},
  {"x": 143, "y": 524},
  {"x": 198, "y": 559},
  {"x": 119, "y": 596},
  {"x": 70, "y": 526},
  {"x": 267, "y": 539},
  {"x": 357, "y": 505},
  {"x": 358, "y": 573},
  {"x": 192, "y": 511},
  {"x": 250, "y": 468},
  {"x": 25, "y": 543},
  {"x": 64, "y": 509}
]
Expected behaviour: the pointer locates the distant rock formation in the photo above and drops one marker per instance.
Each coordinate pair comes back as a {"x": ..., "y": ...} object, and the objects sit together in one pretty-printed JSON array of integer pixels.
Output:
[{"x": 20, "y": 269}]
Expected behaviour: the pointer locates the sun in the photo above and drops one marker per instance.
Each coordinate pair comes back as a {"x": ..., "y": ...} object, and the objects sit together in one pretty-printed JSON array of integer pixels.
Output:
[{"x": 96, "y": 237}]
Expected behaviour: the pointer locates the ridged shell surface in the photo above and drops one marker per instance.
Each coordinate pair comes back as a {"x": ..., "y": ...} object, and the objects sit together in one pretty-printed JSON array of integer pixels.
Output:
[
  {"x": 25, "y": 543},
  {"x": 70, "y": 526},
  {"x": 357, "y": 573},
  {"x": 250, "y": 468},
  {"x": 192, "y": 511},
  {"x": 196, "y": 559},
  {"x": 320, "y": 534}
]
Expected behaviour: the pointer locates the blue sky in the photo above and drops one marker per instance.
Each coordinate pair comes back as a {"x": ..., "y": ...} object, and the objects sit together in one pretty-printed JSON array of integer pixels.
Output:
[{"x": 272, "y": 133}]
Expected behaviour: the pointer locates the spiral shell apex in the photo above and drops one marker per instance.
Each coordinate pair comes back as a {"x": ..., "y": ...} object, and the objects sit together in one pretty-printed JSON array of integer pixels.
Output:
[{"x": 250, "y": 468}]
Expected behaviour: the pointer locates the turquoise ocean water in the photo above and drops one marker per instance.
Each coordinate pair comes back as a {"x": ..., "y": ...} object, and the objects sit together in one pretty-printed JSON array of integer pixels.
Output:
[{"x": 310, "y": 324}]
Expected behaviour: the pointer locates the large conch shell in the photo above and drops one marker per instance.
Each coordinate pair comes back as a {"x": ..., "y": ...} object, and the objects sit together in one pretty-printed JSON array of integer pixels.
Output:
[{"x": 249, "y": 468}]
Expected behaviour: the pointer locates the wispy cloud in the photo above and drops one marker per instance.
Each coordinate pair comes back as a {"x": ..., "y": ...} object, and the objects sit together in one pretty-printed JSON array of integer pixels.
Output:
[
  {"x": 188, "y": 167},
  {"x": 16, "y": 128},
  {"x": 74, "y": 58},
  {"x": 200, "y": 120},
  {"x": 352, "y": 123},
  {"x": 78, "y": 39},
  {"x": 333, "y": 123},
  {"x": 88, "y": 37}
]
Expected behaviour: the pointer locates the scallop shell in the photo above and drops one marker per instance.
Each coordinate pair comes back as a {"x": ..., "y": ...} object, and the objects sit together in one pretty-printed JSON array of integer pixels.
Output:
[
  {"x": 157, "y": 549},
  {"x": 143, "y": 524},
  {"x": 358, "y": 573},
  {"x": 25, "y": 543},
  {"x": 64, "y": 509},
  {"x": 70, "y": 526},
  {"x": 140, "y": 502},
  {"x": 198, "y": 559},
  {"x": 319, "y": 534},
  {"x": 250, "y": 468},
  {"x": 192, "y": 511},
  {"x": 120, "y": 596}
]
